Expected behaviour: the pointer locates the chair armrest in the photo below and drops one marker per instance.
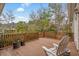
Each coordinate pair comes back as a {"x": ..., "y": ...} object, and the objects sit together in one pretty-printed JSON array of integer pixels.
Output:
[
  {"x": 55, "y": 45},
  {"x": 48, "y": 51}
]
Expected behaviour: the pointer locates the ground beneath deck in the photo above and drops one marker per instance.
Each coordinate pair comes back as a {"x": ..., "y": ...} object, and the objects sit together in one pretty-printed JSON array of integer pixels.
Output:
[{"x": 34, "y": 48}]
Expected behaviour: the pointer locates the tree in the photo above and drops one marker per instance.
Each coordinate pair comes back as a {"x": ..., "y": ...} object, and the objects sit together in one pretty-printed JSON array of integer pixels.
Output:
[
  {"x": 59, "y": 15},
  {"x": 32, "y": 28},
  {"x": 10, "y": 15},
  {"x": 21, "y": 27},
  {"x": 41, "y": 19},
  {"x": 8, "y": 18}
]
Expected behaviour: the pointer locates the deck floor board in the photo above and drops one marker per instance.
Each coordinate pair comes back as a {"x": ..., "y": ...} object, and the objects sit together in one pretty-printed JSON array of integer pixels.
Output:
[{"x": 34, "y": 48}]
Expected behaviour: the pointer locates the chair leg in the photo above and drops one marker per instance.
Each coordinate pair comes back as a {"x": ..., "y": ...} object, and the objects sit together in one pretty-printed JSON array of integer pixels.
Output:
[{"x": 67, "y": 53}]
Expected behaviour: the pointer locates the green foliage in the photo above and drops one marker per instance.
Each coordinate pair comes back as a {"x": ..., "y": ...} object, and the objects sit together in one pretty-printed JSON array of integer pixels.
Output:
[
  {"x": 40, "y": 20},
  {"x": 1, "y": 43},
  {"x": 32, "y": 28},
  {"x": 40, "y": 23},
  {"x": 43, "y": 24},
  {"x": 52, "y": 28},
  {"x": 21, "y": 27}
]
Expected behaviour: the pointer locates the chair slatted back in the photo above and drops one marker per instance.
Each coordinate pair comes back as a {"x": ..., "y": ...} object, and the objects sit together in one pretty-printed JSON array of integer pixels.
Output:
[{"x": 62, "y": 45}]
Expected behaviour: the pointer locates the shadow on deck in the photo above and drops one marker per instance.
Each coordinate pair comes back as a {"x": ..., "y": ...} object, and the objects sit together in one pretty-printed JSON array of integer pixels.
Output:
[{"x": 34, "y": 48}]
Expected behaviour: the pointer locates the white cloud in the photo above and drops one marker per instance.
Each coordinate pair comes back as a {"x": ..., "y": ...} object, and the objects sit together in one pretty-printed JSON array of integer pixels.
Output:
[{"x": 20, "y": 9}]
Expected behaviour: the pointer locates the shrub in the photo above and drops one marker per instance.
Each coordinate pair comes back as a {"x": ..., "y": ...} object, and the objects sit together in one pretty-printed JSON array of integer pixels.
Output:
[{"x": 1, "y": 43}]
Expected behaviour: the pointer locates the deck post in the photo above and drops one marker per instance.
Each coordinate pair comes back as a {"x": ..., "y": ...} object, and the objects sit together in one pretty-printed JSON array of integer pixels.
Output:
[
  {"x": 76, "y": 30},
  {"x": 76, "y": 26}
]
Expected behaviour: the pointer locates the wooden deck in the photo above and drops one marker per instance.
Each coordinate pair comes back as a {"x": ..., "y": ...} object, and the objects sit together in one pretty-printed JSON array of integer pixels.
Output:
[{"x": 34, "y": 48}]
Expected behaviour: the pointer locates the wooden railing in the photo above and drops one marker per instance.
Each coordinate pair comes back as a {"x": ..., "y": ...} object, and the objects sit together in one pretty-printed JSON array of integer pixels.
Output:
[{"x": 9, "y": 38}]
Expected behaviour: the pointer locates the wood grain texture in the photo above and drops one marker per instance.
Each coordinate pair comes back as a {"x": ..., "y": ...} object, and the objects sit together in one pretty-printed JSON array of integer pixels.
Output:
[{"x": 34, "y": 48}]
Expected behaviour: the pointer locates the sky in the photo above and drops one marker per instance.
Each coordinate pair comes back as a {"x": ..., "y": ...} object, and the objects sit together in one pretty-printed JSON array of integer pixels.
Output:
[{"x": 22, "y": 11}]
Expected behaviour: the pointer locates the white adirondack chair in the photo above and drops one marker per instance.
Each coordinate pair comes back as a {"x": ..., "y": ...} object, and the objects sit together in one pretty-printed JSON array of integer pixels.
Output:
[{"x": 59, "y": 48}]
